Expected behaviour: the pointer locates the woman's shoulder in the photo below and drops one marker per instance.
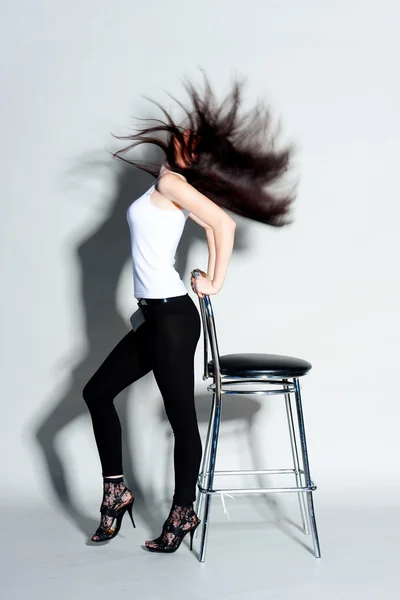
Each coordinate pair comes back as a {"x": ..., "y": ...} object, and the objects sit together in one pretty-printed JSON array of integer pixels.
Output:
[{"x": 166, "y": 171}]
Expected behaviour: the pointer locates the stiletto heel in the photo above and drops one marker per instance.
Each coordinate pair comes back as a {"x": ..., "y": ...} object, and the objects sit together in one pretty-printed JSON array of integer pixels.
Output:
[
  {"x": 129, "y": 509},
  {"x": 192, "y": 534}
]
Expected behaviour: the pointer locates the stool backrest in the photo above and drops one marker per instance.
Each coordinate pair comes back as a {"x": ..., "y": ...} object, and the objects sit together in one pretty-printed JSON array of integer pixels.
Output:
[{"x": 209, "y": 333}]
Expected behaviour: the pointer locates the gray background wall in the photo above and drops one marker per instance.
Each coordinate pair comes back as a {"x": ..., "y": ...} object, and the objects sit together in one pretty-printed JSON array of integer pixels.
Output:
[{"x": 325, "y": 288}]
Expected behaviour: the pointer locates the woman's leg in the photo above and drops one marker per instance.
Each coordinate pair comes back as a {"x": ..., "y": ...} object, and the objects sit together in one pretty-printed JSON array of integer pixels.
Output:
[
  {"x": 126, "y": 363},
  {"x": 175, "y": 329}
]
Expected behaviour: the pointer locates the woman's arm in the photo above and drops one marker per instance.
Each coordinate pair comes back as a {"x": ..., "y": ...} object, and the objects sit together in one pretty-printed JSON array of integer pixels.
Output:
[
  {"x": 210, "y": 244},
  {"x": 224, "y": 237},
  {"x": 211, "y": 253},
  {"x": 222, "y": 225}
]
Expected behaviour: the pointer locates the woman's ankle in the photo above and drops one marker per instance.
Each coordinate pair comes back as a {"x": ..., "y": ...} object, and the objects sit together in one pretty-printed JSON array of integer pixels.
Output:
[
  {"x": 182, "y": 501},
  {"x": 113, "y": 478}
]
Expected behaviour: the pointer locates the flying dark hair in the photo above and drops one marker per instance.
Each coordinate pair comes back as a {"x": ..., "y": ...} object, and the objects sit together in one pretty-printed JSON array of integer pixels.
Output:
[{"x": 230, "y": 157}]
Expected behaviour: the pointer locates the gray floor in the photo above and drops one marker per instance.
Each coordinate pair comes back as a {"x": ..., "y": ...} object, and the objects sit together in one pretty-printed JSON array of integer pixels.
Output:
[{"x": 253, "y": 556}]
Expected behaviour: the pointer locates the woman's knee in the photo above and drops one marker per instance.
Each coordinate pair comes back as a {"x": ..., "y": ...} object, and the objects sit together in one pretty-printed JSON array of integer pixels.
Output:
[
  {"x": 94, "y": 394},
  {"x": 87, "y": 393}
]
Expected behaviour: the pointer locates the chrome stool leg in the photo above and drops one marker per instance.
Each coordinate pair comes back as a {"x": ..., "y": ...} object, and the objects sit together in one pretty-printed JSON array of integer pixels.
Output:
[
  {"x": 310, "y": 502},
  {"x": 210, "y": 482},
  {"x": 296, "y": 462},
  {"x": 205, "y": 460}
]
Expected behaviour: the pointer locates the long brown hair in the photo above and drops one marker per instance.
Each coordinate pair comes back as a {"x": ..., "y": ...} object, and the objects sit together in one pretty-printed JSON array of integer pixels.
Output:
[{"x": 230, "y": 157}]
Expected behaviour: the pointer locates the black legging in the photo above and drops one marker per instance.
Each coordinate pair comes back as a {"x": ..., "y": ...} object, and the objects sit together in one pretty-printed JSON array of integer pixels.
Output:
[{"x": 166, "y": 344}]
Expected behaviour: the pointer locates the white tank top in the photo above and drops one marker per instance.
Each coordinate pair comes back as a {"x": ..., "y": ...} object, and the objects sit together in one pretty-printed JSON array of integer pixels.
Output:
[{"x": 155, "y": 235}]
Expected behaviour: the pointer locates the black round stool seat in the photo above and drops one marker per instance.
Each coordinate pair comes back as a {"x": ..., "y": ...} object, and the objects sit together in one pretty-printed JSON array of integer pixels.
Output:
[{"x": 256, "y": 364}]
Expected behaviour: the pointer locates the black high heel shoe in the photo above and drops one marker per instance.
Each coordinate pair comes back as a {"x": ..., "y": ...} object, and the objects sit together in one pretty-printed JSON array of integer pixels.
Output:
[
  {"x": 117, "y": 512},
  {"x": 168, "y": 545}
]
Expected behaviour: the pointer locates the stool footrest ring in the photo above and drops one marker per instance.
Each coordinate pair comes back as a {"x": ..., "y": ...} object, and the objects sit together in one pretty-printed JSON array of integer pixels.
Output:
[
  {"x": 256, "y": 472},
  {"x": 243, "y": 491}
]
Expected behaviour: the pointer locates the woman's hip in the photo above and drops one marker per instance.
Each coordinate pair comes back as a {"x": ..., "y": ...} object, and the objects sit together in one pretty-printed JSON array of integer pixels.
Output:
[{"x": 178, "y": 315}]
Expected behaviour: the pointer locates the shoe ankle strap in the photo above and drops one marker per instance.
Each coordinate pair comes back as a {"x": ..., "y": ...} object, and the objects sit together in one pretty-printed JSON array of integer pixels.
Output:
[{"x": 109, "y": 511}]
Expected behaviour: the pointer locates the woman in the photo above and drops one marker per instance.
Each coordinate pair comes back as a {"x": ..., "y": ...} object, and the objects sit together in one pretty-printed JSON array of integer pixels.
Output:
[{"x": 218, "y": 160}]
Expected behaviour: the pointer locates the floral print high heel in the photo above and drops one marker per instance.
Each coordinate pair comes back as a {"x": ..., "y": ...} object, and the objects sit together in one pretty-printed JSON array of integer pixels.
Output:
[
  {"x": 181, "y": 521},
  {"x": 117, "y": 500}
]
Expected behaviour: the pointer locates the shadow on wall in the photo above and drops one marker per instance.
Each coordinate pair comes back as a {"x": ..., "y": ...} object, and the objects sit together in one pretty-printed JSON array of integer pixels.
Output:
[{"x": 100, "y": 260}]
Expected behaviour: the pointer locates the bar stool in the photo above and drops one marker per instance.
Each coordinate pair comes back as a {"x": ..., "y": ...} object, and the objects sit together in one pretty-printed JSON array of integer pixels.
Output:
[{"x": 275, "y": 375}]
